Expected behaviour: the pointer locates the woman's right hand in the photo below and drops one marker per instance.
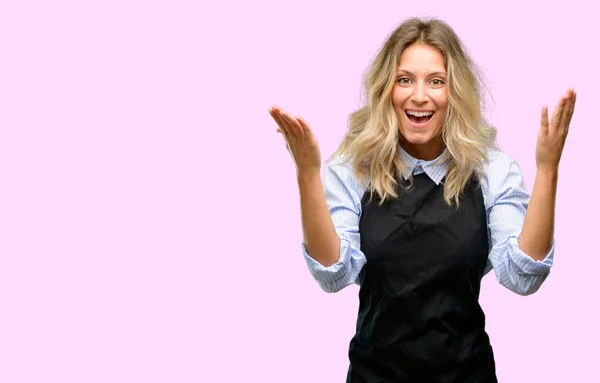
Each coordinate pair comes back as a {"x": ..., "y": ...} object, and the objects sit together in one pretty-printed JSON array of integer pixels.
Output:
[{"x": 300, "y": 140}]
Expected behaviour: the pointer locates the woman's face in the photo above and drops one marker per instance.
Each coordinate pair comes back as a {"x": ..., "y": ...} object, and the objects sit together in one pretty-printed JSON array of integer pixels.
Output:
[{"x": 420, "y": 100}]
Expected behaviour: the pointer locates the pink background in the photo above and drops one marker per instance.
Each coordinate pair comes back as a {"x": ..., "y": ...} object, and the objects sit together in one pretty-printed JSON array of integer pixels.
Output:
[{"x": 149, "y": 217}]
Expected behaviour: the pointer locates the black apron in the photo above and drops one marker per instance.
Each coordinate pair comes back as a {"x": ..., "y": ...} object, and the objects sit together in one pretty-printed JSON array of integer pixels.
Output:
[{"x": 419, "y": 317}]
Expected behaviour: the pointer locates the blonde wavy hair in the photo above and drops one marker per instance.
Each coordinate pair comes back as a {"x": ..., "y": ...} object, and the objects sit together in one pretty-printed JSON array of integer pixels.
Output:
[{"x": 373, "y": 136}]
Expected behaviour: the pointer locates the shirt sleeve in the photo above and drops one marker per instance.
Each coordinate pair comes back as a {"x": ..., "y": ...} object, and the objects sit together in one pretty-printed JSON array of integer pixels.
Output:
[
  {"x": 508, "y": 200},
  {"x": 343, "y": 196}
]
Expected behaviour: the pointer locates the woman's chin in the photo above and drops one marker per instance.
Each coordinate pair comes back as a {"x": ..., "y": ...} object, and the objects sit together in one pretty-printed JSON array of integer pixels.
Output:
[
  {"x": 423, "y": 146},
  {"x": 417, "y": 138}
]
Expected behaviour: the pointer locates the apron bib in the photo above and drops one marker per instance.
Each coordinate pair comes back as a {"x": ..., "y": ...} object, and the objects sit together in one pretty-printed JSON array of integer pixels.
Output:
[{"x": 419, "y": 316}]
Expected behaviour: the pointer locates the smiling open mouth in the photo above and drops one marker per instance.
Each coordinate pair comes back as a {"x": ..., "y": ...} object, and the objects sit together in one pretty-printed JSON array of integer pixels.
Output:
[{"x": 419, "y": 117}]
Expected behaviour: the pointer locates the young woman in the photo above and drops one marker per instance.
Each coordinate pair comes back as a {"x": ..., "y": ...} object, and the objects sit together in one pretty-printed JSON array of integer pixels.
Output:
[{"x": 417, "y": 205}]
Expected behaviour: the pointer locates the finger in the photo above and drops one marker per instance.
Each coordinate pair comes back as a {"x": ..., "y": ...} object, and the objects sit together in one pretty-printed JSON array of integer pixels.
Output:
[
  {"x": 303, "y": 124},
  {"x": 568, "y": 113},
  {"x": 288, "y": 127},
  {"x": 571, "y": 110},
  {"x": 545, "y": 124},
  {"x": 564, "y": 118},
  {"x": 293, "y": 125},
  {"x": 276, "y": 113},
  {"x": 556, "y": 116}
]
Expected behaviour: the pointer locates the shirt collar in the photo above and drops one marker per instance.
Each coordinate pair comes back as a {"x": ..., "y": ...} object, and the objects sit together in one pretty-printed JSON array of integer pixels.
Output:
[{"x": 435, "y": 169}]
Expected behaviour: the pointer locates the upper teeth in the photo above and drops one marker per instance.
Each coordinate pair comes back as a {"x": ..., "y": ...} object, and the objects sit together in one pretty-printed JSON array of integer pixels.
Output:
[{"x": 419, "y": 114}]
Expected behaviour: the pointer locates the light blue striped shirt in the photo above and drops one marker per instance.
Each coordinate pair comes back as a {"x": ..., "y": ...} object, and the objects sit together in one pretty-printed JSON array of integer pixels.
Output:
[{"x": 505, "y": 198}]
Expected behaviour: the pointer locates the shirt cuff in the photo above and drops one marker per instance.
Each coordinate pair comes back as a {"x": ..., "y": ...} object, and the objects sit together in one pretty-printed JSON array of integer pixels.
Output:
[
  {"x": 333, "y": 277},
  {"x": 527, "y": 265}
]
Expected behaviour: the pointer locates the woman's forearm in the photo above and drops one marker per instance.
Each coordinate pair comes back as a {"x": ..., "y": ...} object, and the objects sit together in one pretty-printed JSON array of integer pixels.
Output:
[
  {"x": 538, "y": 229},
  {"x": 320, "y": 238}
]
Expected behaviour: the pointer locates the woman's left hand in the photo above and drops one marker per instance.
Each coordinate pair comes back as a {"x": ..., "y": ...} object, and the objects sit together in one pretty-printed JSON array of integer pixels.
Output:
[{"x": 553, "y": 134}]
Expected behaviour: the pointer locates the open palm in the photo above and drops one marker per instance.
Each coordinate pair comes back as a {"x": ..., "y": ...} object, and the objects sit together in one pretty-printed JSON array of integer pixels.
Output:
[
  {"x": 553, "y": 134},
  {"x": 299, "y": 138}
]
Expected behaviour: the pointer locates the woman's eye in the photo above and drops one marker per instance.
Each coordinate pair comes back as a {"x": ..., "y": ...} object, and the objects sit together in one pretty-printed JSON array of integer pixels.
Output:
[
  {"x": 403, "y": 80},
  {"x": 437, "y": 81}
]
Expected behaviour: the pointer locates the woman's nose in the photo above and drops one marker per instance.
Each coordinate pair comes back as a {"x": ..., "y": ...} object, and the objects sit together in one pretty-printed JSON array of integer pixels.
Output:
[{"x": 419, "y": 94}]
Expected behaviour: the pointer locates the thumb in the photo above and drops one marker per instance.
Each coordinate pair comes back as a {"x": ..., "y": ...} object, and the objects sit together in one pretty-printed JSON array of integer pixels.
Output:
[{"x": 544, "y": 123}]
